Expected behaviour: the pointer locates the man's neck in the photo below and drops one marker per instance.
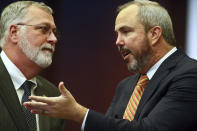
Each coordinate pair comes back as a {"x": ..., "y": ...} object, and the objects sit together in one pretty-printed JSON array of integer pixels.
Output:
[
  {"x": 26, "y": 66},
  {"x": 157, "y": 55}
]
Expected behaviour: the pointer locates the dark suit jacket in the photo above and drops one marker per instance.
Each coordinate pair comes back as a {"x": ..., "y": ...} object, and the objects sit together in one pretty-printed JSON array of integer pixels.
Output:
[
  {"x": 11, "y": 115},
  {"x": 169, "y": 101}
]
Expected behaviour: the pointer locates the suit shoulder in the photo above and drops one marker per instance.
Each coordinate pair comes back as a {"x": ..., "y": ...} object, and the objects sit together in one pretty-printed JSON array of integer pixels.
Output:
[{"x": 187, "y": 64}]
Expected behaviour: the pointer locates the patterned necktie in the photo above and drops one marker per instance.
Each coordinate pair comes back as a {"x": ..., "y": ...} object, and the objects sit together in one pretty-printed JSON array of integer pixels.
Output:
[
  {"x": 135, "y": 98},
  {"x": 30, "y": 118}
]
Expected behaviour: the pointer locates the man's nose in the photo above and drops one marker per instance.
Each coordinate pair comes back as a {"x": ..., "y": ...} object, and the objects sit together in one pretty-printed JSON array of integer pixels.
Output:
[
  {"x": 52, "y": 38},
  {"x": 119, "y": 41}
]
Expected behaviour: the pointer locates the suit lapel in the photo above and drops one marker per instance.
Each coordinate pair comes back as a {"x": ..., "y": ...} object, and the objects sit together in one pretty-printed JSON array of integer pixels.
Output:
[
  {"x": 40, "y": 91},
  {"x": 10, "y": 99},
  {"x": 159, "y": 75},
  {"x": 44, "y": 122}
]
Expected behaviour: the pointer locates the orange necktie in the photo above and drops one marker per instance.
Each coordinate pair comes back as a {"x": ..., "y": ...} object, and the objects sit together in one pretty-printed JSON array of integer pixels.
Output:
[{"x": 135, "y": 98}]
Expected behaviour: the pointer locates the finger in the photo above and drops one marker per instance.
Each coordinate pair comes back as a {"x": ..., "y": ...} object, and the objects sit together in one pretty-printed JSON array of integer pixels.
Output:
[
  {"x": 27, "y": 105},
  {"x": 37, "y": 111},
  {"x": 40, "y": 99},
  {"x": 63, "y": 89},
  {"x": 35, "y": 105},
  {"x": 40, "y": 112}
]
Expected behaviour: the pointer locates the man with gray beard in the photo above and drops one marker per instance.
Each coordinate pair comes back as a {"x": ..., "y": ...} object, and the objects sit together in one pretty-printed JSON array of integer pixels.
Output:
[{"x": 27, "y": 39}]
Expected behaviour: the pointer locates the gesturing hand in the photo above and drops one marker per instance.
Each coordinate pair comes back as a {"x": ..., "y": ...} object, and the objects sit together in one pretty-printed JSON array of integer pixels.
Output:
[{"x": 63, "y": 106}]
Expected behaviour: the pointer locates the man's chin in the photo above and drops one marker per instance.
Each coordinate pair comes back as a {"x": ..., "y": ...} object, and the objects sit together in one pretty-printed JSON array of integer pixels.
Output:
[
  {"x": 44, "y": 60},
  {"x": 133, "y": 66}
]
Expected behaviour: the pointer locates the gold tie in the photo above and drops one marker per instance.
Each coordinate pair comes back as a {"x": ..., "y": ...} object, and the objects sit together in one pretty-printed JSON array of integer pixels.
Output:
[{"x": 135, "y": 98}]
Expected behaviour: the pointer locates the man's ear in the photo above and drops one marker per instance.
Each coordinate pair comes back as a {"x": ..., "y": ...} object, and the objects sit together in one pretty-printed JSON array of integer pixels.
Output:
[
  {"x": 14, "y": 33},
  {"x": 155, "y": 34}
]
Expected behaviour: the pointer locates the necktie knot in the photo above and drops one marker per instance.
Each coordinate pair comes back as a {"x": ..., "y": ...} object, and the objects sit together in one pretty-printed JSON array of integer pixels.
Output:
[
  {"x": 27, "y": 85},
  {"x": 143, "y": 79},
  {"x": 142, "y": 82}
]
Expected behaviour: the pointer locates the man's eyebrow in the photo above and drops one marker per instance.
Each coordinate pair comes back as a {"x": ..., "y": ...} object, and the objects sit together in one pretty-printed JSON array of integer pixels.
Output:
[
  {"x": 123, "y": 28},
  {"x": 47, "y": 24}
]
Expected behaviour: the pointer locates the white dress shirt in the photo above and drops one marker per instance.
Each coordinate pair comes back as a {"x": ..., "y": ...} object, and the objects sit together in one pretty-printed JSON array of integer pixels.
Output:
[
  {"x": 150, "y": 74},
  {"x": 18, "y": 79},
  {"x": 154, "y": 68}
]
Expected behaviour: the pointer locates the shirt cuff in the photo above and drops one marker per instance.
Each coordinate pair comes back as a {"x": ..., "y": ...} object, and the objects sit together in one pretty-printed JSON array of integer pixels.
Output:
[{"x": 84, "y": 121}]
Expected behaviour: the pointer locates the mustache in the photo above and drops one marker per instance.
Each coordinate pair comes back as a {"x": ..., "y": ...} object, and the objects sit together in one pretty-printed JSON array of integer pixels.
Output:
[
  {"x": 124, "y": 50},
  {"x": 47, "y": 46}
]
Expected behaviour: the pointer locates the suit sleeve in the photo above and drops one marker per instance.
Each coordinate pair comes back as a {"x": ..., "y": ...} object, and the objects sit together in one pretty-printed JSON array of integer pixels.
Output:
[{"x": 175, "y": 111}]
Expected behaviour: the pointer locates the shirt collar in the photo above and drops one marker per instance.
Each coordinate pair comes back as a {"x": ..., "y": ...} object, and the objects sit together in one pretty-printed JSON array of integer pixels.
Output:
[
  {"x": 16, "y": 75},
  {"x": 154, "y": 68}
]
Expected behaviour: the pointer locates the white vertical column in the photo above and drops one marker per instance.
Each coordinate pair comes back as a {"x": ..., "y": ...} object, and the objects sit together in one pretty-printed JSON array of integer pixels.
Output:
[{"x": 191, "y": 34}]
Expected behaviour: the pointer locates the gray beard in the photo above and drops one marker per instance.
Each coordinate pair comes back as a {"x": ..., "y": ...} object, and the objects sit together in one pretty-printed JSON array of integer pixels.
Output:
[
  {"x": 42, "y": 59},
  {"x": 141, "y": 61}
]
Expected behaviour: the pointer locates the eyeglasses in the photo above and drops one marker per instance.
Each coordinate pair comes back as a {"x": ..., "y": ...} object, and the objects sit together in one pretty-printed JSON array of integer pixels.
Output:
[{"x": 45, "y": 29}]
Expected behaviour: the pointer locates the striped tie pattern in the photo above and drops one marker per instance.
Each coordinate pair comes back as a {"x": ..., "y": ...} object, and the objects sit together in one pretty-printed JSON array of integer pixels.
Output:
[{"x": 135, "y": 98}]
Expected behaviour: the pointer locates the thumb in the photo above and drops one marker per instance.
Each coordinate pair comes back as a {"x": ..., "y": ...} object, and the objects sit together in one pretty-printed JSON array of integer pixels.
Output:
[{"x": 62, "y": 89}]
